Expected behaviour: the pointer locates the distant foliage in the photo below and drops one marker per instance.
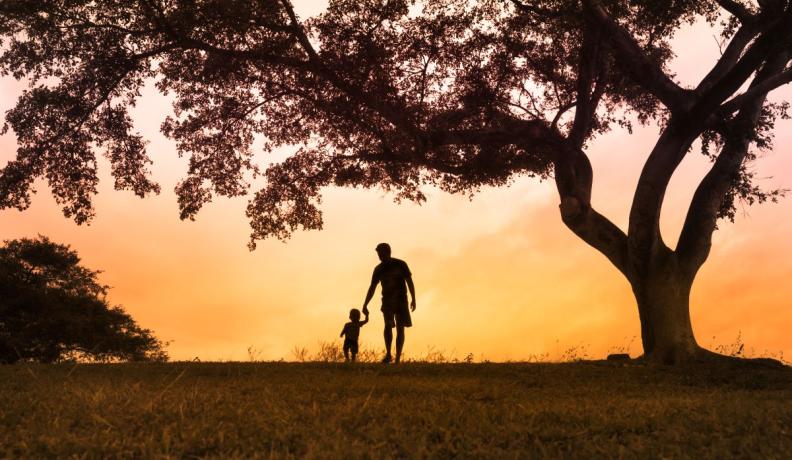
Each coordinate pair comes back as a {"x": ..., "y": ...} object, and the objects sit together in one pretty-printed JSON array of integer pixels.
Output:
[{"x": 53, "y": 309}]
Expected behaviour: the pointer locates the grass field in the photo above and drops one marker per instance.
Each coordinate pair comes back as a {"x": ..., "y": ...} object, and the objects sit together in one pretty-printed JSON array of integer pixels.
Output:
[{"x": 245, "y": 410}]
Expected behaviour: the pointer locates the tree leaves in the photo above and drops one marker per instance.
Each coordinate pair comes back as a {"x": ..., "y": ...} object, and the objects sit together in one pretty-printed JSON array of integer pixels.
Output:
[
  {"x": 393, "y": 94},
  {"x": 52, "y": 308}
]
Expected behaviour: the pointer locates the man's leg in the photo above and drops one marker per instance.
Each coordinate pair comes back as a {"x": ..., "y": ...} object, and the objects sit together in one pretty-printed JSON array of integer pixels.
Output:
[
  {"x": 399, "y": 342},
  {"x": 388, "y": 333}
]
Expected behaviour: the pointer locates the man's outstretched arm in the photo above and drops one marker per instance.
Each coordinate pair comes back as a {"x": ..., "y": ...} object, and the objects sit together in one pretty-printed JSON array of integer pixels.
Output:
[
  {"x": 411, "y": 287},
  {"x": 369, "y": 296}
]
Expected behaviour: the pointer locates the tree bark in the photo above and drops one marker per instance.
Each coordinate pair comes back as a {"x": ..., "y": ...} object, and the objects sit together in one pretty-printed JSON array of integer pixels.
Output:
[{"x": 663, "y": 297}]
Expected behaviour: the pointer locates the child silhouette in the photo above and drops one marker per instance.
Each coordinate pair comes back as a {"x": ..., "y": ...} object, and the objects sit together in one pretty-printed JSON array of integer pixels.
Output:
[{"x": 351, "y": 332}]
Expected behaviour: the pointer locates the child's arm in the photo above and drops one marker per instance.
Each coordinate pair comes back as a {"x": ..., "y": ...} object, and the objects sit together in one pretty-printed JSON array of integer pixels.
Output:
[
  {"x": 364, "y": 321},
  {"x": 343, "y": 331}
]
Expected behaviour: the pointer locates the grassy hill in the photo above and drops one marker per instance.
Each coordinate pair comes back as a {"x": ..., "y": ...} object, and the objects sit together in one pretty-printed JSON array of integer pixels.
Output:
[{"x": 244, "y": 410}]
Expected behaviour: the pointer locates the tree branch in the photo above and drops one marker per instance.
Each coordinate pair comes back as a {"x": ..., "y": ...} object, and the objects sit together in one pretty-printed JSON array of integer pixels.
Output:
[
  {"x": 560, "y": 113},
  {"x": 636, "y": 63},
  {"x": 645, "y": 241},
  {"x": 525, "y": 133},
  {"x": 759, "y": 88},
  {"x": 573, "y": 172},
  {"x": 299, "y": 33},
  {"x": 598, "y": 231},
  {"x": 736, "y": 9},
  {"x": 695, "y": 239},
  {"x": 586, "y": 101},
  {"x": 730, "y": 56},
  {"x": 105, "y": 95},
  {"x": 314, "y": 64},
  {"x": 772, "y": 41},
  {"x": 533, "y": 9},
  {"x": 573, "y": 175},
  {"x": 187, "y": 42},
  {"x": 395, "y": 116}
]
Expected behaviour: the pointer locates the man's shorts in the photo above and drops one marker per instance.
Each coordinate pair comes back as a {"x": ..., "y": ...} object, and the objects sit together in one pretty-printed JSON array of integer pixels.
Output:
[{"x": 396, "y": 314}]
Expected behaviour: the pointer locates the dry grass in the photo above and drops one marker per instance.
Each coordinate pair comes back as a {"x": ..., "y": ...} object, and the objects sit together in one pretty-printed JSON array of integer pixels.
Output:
[{"x": 244, "y": 410}]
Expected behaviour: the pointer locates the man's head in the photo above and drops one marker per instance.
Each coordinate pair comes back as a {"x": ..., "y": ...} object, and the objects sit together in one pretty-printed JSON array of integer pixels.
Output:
[{"x": 383, "y": 251}]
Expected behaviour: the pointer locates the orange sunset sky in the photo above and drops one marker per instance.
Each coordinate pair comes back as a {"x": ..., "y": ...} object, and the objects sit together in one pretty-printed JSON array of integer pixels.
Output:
[{"x": 498, "y": 276}]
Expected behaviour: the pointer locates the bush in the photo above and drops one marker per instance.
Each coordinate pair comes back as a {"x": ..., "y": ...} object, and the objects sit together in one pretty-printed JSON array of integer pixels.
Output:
[{"x": 53, "y": 309}]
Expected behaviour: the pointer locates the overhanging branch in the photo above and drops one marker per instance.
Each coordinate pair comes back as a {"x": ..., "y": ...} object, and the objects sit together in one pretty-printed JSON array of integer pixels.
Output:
[
  {"x": 394, "y": 115},
  {"x": 535, "y": 10},
  {"x": 774, "y": 40},
  {"x": 636, "y": 63},
  {"x": 587, "y": 98},
  {"x": 730, "y": 55},
  {"x": 736, "y": 9},
  {"x": 765, "y": 86},
  {"x": 573, "y": 176}
]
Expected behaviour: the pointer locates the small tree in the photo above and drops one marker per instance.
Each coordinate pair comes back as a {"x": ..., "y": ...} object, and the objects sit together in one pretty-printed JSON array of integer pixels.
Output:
[
  {"x": 401, "y": 94},
  {"x": 53, "y": 309}
]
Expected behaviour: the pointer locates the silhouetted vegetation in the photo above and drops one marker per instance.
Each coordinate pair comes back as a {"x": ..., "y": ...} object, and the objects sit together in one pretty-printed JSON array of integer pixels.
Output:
[
  {"x": 54, "y": 309},
  {"x": 331, "y": 352},
  {"x": 401, "y": 95}
]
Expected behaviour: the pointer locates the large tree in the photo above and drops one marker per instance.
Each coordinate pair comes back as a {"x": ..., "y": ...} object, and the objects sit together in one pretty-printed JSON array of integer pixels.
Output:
[
  {"x": 400, "y": 94},
  {"x": 53, "y": 309}
]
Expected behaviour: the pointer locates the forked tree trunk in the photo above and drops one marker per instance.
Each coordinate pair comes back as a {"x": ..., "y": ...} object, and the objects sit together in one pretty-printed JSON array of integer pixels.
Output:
[{"x": 663, "y": 297}]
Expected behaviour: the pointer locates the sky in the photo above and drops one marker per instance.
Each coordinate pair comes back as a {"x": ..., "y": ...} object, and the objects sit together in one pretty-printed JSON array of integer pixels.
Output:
[{"x": 499, "y": 276}]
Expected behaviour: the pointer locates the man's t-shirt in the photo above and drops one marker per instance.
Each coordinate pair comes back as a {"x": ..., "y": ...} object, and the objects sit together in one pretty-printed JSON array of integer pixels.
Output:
[{"x": 393, "y": 274}]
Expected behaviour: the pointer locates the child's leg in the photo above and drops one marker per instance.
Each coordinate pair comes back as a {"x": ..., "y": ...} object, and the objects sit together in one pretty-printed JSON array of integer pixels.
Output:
[{"x": 346, "y": 352}]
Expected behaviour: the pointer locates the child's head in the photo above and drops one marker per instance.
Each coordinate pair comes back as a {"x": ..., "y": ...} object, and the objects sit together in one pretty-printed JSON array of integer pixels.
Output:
[{"x": 354, "y": 314}]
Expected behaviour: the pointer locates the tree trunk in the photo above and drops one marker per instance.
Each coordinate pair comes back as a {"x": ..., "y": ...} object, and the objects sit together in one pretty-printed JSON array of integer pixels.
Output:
[{"x": 663, "y": 297}]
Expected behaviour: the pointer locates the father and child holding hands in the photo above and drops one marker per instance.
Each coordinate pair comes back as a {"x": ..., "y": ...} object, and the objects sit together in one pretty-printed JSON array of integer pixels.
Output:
[{"x": 395, "y": 278}]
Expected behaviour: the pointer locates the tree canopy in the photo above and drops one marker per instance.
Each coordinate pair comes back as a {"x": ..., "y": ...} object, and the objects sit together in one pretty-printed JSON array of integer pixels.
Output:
[
  {"x": 387, "y": 93},
  {"x": 53, "y": 309}
]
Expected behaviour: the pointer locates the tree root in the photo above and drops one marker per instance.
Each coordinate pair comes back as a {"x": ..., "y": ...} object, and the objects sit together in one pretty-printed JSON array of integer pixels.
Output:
[
  {"x": 701, "y": 357},
  {"x": 708, "y": 356}
]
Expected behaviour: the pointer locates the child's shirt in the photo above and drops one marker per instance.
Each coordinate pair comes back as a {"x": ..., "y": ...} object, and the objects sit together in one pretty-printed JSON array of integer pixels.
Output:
[{"x": 352, "y": 330}]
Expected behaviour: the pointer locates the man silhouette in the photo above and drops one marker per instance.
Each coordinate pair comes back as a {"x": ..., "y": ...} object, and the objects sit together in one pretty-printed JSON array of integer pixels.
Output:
[{"x": 393, "y": 274}]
